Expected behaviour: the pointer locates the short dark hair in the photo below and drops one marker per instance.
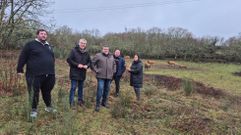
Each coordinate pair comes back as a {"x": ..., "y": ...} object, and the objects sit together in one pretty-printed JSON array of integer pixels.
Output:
[
  {"x": 106, "y": 46},
  {"x": 40, "y": 30},
  {"x": 137, "y": 54}
]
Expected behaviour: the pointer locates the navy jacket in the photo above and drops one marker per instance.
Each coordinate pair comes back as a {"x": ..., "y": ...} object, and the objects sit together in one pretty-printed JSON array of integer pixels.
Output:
[
  {"x": 120, "y": 66},
  {"x": 38, "y": 57},
  {"x": 75, "y": 58}
]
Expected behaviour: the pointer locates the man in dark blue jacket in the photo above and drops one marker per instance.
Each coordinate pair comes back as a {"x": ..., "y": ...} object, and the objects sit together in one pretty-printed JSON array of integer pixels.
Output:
[
  {"x": 40, "y": 73},
  {"x": 120, "y": 69}
]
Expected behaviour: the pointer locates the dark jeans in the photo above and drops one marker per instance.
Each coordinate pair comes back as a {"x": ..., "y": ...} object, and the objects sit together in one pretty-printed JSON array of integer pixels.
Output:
[
  {"x": 72, "y": 91},
  {"x": 103, "y": 88},
  {"x": 117, "y": 84},
  {"x": 43, "y": 82}
]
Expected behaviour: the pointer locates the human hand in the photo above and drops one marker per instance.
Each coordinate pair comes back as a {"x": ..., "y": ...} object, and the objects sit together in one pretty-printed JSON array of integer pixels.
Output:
[
  {"x": 20, "y": 75},
  {"x": 80, "y": 66},
  {"x": 85, "y": 66}
]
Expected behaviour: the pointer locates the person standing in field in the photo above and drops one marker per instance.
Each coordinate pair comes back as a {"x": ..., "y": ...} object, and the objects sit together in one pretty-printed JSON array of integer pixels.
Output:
[
  {"x": 40, "y": 70},
  {"x": 136, "y": 75},
  {"x": 120, "y": 69},
  {"x": 104, "y": 66},
  {"x": 79, "y": 61}
]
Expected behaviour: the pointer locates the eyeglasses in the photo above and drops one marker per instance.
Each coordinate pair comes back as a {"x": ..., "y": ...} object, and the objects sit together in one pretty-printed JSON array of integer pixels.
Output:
[{"x": 83, "y": 43}]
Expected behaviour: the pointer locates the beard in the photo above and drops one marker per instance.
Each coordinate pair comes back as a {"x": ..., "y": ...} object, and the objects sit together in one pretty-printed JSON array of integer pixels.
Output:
[{"x": 43, "y": 40}]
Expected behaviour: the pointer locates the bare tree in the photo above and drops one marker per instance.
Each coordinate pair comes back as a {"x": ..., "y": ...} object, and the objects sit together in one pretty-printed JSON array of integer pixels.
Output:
[{"x": 17, "y": 14}]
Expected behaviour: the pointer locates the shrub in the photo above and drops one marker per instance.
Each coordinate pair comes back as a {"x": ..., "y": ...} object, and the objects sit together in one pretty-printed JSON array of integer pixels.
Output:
[
  {"x": 10, "y": 83},
  {"x": 187, "y": 86},
  {"x": 149, "y": 90},
  {"x": 121, "y": 107}
]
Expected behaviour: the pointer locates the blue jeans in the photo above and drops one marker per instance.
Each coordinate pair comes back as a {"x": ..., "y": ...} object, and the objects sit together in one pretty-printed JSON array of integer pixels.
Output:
[
  {"x": 103, "y": 88},
  {"x": 72, "y": 91}
]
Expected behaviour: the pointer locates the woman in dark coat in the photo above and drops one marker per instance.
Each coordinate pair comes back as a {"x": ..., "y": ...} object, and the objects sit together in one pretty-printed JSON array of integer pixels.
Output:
[{"x": 136, "y": 75}]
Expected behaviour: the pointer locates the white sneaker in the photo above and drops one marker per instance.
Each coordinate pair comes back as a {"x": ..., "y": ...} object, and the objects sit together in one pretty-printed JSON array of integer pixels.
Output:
[
  {"x": 33, "y": 114},
  {"x": 50, "y": 109}
]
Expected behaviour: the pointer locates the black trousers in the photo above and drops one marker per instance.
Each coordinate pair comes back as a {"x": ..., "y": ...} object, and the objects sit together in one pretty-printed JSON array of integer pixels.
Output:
[
  {"x": 117, "y": 83},
  {"x": 138, "y": 93},
  {"x": 45, "y": 83}
]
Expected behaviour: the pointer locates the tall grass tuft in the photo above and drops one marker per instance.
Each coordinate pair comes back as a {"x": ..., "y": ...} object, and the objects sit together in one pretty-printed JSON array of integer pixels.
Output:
[
  {"x": 10, "y": 83},
  {"x": 149, "y": 90},
  {"x": 62, "y": 99},
  {"x": 122, "y": 106},
  {"x": 90, "y": 90},
  {"x": 61, "y": 53},
  {"x": 90, "y": 94},
  {"x": 66, "y": 115},
  {"x": 187, "y": 85},
  {"x": 28, "y": 105},
  {"x": 67, "y": 118}
]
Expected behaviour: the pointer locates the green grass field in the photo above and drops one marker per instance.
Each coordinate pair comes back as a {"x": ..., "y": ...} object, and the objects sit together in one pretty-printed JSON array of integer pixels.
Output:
[{"x": 161, "y": 111}]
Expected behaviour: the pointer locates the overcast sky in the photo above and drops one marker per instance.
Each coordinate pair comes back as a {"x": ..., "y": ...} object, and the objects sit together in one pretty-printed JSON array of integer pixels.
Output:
[{"x": 201, "y": 17}]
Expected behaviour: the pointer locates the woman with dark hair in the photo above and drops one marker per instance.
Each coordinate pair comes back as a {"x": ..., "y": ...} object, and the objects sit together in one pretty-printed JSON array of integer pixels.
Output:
[{"x": 136, "y": 75}]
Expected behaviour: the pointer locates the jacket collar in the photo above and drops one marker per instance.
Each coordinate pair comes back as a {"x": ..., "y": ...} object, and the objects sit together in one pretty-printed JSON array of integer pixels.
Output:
[
  {"x": 136, "y": 62},
  {"x": 81, "y": 50},
  {"x": 46, "y": 43},
  {"x": 106, "y": 55},
  {"x": 117, "y": 57}
]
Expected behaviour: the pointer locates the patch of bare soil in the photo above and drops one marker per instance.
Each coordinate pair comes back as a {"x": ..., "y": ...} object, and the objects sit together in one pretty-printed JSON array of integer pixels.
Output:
[
  {"x": 169, "y": 82},
  {"x": 237, "y": 74},
  {"x": 202, "y": 89},
  {"x": 173, "y": 83},
  {"x": 166, "y": 66}
]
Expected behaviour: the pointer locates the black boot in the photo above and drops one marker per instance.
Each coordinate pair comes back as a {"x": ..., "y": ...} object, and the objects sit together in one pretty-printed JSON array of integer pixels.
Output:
[{"x": 138, "y": 93}]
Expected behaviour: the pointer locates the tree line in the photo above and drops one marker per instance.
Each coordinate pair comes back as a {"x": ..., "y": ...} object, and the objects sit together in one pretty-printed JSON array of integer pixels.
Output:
[
  {"x": 155, "y": 43},
  {"x": 19, "y": 21}
]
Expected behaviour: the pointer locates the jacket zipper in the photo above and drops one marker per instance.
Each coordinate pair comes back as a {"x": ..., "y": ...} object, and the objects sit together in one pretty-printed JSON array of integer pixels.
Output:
[{"x": 106, "y": 66}]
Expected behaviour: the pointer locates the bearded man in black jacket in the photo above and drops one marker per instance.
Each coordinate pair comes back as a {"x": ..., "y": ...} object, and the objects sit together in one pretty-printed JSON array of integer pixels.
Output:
[{"x": 40, "y": 70}]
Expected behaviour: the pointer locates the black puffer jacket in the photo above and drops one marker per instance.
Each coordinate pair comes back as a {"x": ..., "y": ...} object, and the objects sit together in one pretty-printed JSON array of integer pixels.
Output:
[
  {"x": 76, "y": 57},
  {"x": 136, "y": 76}
]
